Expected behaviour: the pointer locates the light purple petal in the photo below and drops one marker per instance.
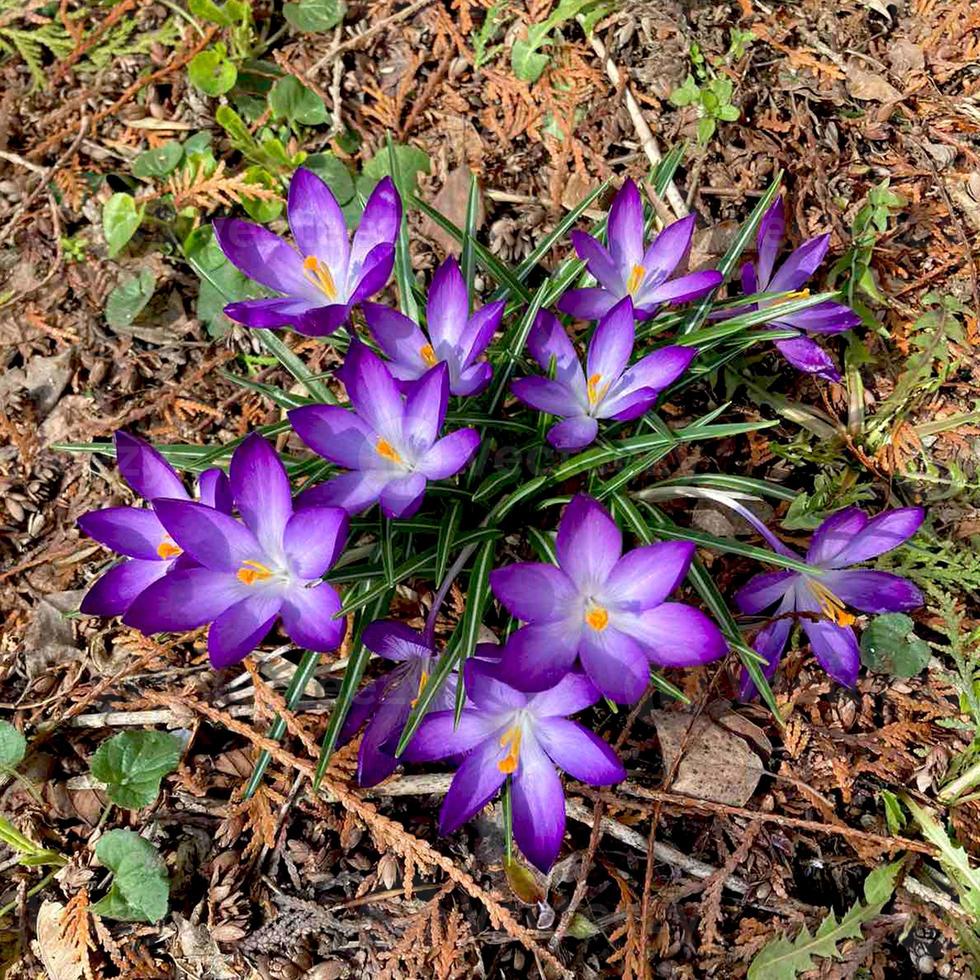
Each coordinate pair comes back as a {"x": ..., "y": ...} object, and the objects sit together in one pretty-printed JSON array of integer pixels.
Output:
[
  {"x": 335, "y": 434},
  {"x": 547, "y": 396},
  {"x": 145, "y": 470},
  {"x": 379, "y": 225},
  {"x": 310, "y": 617},
  {"x": 439, "y": 736},
  {"x": 835, "y": 648},
  {"x": 399, "y": 337},
  {"x": 313, "y": 540},
  {"x": 548, "y": 341},
  {"x": 800, "y": 265},
  {"x": 447, "y": 310},
  {"x": 480, "y": 328},
  {"x": 665, "y": 254},
  {"x": 573, "y": 433},
  {"x": 882, "y": 533},
  {"x": 264, "y": 257},
  {"x": 183, "y": 600},
  {"x": 589, "y": 543},
  {"x": 211, "y": 538},
  {"x": 873, "y": 592},
  {"x": 425, "y": 407},
  {"x": 681, "y": 290},
  {"x": 588, "y": 303},
  {"x": 645, "y": 576},
  {"x": 834, "y": 535},
  {"x": 394, "y": 641},
  {"x": 573, "y": 693},
  {"x": 631, "y": 405},
  {"x": 472, "y": 380},
  {"x": 538, "y": 804},
  {"x": 761, "y": 591},
  {"x": 450, "y": 454},
  {"x": 261, "y": 490},
  {"x": 402, "y": 498},
  {"x": 676, "y": 635},
  {"x": 374, "y": 273},
  {"x": 115, "y": 591},
  {"x": 581, "y": 753},
  {"x": 126, "y": 530},
  {"x": 373, "y": 391},
  {"x": 769, "y": 239},
  {"x": 318, "y": 224},
  {"x": 769, "y": 642},
  {"x": 615, "y": 663},
  {"x": 240, "y": 629},
  {"x": 597, "y": 257},
  {"x": 610, "y": 348},
  {"x": 654, "y": 371},
  {"x": 536, "y": 657},
  {"x": 534, "y": 592},
  {"x": 475, "y": 783},
  {"x": 488, "y": 690},
  {"x": 809, "y": 357},
  {"x": 353, "y": 491},
  {"x": 625, "y": 228},
  {"x": 267, "y": 314},
  {"x": 214, "y": 490},
  {"x": 828, "y": 317}
]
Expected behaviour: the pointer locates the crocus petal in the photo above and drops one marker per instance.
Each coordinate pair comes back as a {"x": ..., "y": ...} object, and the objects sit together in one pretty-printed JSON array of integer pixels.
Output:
[
  {"x": 828, "y": 317},
  {"x": 581, "y": 753},
  {"x": 115, "y": 591},
  {"x": 267, "y": 314},
  {"x": 321, "y": 321},
  {"x": 318, "y": 224},
  {"x": 538, "y": 806},
  {"x": 645, "y": 576},
  {"x": 548, "y": 342},
  {"x": 625, "y": 228},
  {"x": 439, "y": 736},
  {"x": 313, "y": 540},
  {"x": 425, "y": 407},
  {"x": 666, "y": 252},
  {"x": 362, "y": 707},
  {"x": 335, "y": 434},
  {"x": 809, "y": 357},
  {"x": 489, "y": 691},
  {"x": 597, "y": 257},
  {"x": 772, "y": 228},
  {"x": 126, "y": 530},
  {"x": 264, "y": 257},
  {"x": 376, "y": 756},
  {"x": 261, "y": 490},
  {"x": 183, "y": 600},
  {"x": 447, "y": 310},
  {"x": 880, "y": 534},
  {"x": 534, "y": 592},
  {"x": 547, "y": 396},
  {"x": 473, "y": 380},
  {"x": 479, "y": 331},
  {"x": 214, "y": 490},
  {"x": 675, "y": 635},
  {"x": 398, "y": 336},
  {"x": 449, "y": 454},
  {"x": 373, "y": 391},
  {"x": 611, "y": 346},
  {"x": 379, "y": 225},
  {"x": 761, "y": 591},
  {"x": 615, "y": 663},
  {"x": 574, "y": 433},
  {"x": 394, "y": 641},
  {"x": 374, "y": 274},
  {"x": 310, "y": 617},
  {"x": 800, "y": 265},
  {"x": 835, "y": 648},
  {"x": 588, "y": 544},
  {"x": 240, "y": 629},
  {"x": 211, "y": 538},
  {"x": 536, "y": 657},
  {"x": 588, "y": 303},
  {"x": 353, "y": 491},
  {"x": 834, "y": 535},
  {"x": 873, "y": 592},
  {"x": 402, "y": 498},
  {"x": 681, "y": 290},
  {"x": 770, "y": 642},
  {"x": 630, "y": 405},
  {"x": 145, "y": 470},
  {"x": 656, "y": 370},
  {"x": 573, "y": 693},
  {"x": 475, "y": 782}
]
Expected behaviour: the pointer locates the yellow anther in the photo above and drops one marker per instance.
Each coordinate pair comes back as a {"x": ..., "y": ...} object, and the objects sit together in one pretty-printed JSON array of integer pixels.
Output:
[
  {"x": 789, "y": 297},
  {"x": 595, "y": 392},
  {"x": 387, "y": 450},
  {"x": 423, "y": 680},
  {"x": 831, "y": 605},
  {"x": 318, "y": 274},
  {"x": 512, "y": 737},
  {"x": 597, "y": 618},
  {"x": 252, "y": 572},
  {"x": 167, "y": 549},
  {"x": 636, "y": 277},
  {"x": 428, "y": 355}
]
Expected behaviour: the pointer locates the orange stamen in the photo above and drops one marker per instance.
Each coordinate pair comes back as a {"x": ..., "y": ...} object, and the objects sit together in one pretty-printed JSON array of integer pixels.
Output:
[
  {"x": 387, "y": 450},
  {"x": 318, "y": 274},
  {"x": 423, "y": 680},
  {"x": 597, "y": 618},
  {"x": 831, "y": 605},
  {"x": 428, "y": 355},
  {"x": 595, "y": 393},
  {"x": 167, "y": 549},
  {"x": 252, "y": 572},
  {"x": 789, "y": 297},
  {"x": 512, "y": 737},
  {"x": 636, "y": 277}
]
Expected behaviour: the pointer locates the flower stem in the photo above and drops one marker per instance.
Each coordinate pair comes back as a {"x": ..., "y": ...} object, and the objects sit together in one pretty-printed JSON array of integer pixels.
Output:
[
  {"x": 452, "y": 572},
  {"x": 508, "y": 825}
]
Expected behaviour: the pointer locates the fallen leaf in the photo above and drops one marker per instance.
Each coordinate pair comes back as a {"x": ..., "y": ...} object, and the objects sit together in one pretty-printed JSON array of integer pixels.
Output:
[
  {"x": 48, "y": 639},
  {"x": 450, "y": 202},
  {"x": 905, "y": 57},
  {"x": 870, "y": 86},
  {"x": 59, "y": 956}
]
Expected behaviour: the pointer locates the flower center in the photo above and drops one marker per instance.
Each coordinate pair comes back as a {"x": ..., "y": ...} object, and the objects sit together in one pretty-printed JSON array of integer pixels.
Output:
[
  {"x": 597, "y": 617},
  {"x": 831, "y": 605},
  {"x": 423, "y": 680},
  {"x": 428, "y": 355},
  {"x": 252, "y": 572},
  {"x": 789, "y": 297},
  {"x": 318, "y": 274},
  {"x": 636, "y": 277},
  {"x": 511, "y": 738},
  {"x": 595, "y": 392},
  {"x": 384, "y": 448},
  {"x": 168, "y": 549}
]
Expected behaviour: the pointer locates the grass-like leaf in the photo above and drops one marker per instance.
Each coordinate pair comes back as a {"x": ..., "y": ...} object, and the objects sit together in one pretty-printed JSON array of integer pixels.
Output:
[{"x": 403, "y": 260}]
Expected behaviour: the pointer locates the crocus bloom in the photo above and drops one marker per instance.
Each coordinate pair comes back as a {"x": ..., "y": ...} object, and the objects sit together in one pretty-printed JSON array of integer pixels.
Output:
[
  {"x": 251, "y": 572},
  {"x": 827, "y": 317},
  {"x": 137, "y": 532},
  {"x": 843, "y": 539},
  {"x": 506, "y": 733},
  {"x": 320, "y": 283},
  {"x": 389, "y": 442},
  {"x": 626, "y": 268},
  {"x": 454, "y": 337},
  {"x": 602, "y": 607},
  {"x": 607, "y": 388}
]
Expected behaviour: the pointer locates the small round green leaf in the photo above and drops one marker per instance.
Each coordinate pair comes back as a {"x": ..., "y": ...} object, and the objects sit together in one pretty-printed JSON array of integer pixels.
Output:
[
  {"x": 259, "y": 209},
  {"x": 290, "y": 99},
  {"x": 13, "y": 746},
  {"x": 140, "y": 885},
  {"x": 889, "y": 645},
  {"x": 120, "y": 219},
  {"x": 333, "y": 173},
  {"x": 131, "y": 764},
  {"x": 158, "y": 162},
  {"x": 128, "y": 299},
  {"x": 212, "y": 72},
  {"x": 315, "y": 15}
]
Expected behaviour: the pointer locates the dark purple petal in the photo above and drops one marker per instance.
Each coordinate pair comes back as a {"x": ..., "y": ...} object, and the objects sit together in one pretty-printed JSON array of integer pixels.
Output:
[
  {"x": 313, "y": 540},
  {"x": 582, "y": 754},
  {"x": 676, "y": 635},
  {"x": 574, "y": 433},
  {"x": 318, "y": 224},
  {"x": 664, "y": 254},
  {"x": 589, "y": 543},
  {"x": 615, "y": 663},
  {"x": 834, "y": 535},
  {"x": 488, "y": 691},
  {"x": 447, "y": 310},
  {"x": 127, "y": 531},
  {"x": 473, "y": 380},
  {"x": 321, "y": 321},
  {"x": 379, "y": 225},
  {"x": 769, "y": 239},
  {"x": 267, "y": 314},
  {"x": 261, "y": 490},
  {"x": 547, "y": 396},
  {"x": 645, "y": 576},
  {"x": 214, "y": 490},
  {"x": 310, "y": 617},
  {"x": 799, "y": 266},
  {"x": 654, "y": 371},
  {"x": 450, "y": 454},
  {"x": 882, "y": 533},
  {"x": 536, "y": 657},
  {"x": 115, "y": 591},
  {"x": 145, "y": 470},
  {"x": 335, "y": 434},
  {"x": 828, "y": 317},
  {"x": 630, "y": 405},
  {"x": 439, "y": 736},
  {"x": 480, "y": 330},
  {"x": 534, "y": 592},
  {"x": 264, "y": 257},
  {"x": 183, "y": 600},
  {"x": 750, "y": 285},
  {"x": 873, "y": 592},
  {"x": 573, "y": 693},
  {"x": 399, "y": 337},
  {"x": 425, "y": 407},
  {"x": 403, "y": 497},
  {"x": 475, "y": 783},
  {"x": 625, "y": 228},
  {"x": 240, "y": 629},
  {"x": 809, "y": 357},
  {"x": 394, "y": 641},
  {"x": 692, "y": 286},
  {"x": 610, "y": 348},
  {"x": 761, "y": 591},
  {"x": 538, "y": 804},
  {"x": 548, "y": 341},
  {"x": 769, "y": 642},
  {"x": 211, "y": 538},
  {"x": 376, "y": 756},
  {"x": 373, "y": 391},
  {"x": 353, "y": 491},
  {"x": 374, "y": 273},
  {"x": 362, "y": 707},
  {"x": 598, "y": 259},
  {"x": 835, "y": 648},
  {"x": 588, "y": 303}
]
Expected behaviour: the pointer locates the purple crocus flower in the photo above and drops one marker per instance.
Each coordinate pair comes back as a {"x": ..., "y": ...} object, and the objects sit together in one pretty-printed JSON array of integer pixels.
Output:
[
  {"x": 137, "y": 532},
  {"x": 506, "y": 733},
  {"x": 389, "y": 442},
  {"x": 607, "y": 388},
  {"x": 328, "y": 275},
  {"x": 602, "y": 607},
  {"x": 454, "y": 337},
  {"x": 827, "y": 317},
  {"x": 251, "y": 572},
  {"x": 627, "y": 268},
  {"x": 843, "y": 539}
]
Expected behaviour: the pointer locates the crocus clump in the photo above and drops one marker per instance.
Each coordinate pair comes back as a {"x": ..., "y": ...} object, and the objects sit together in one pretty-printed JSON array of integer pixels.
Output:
[
  {"x": 628, "y": 268},
  {"x": 248, "y": 573},
  {"x": 320, "y": 283},
  {"x": 506, "y": 733},
  {"x": 607, "y": 388},
  {"x": 454, "y": 337},
  {"x": 820, "y": 600},
  {"x": 603, "y": 608},
  {"x": 390, "y": 442},
  {"x": 137, "y": 532},
  {"x": 798, "y": 268}
]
